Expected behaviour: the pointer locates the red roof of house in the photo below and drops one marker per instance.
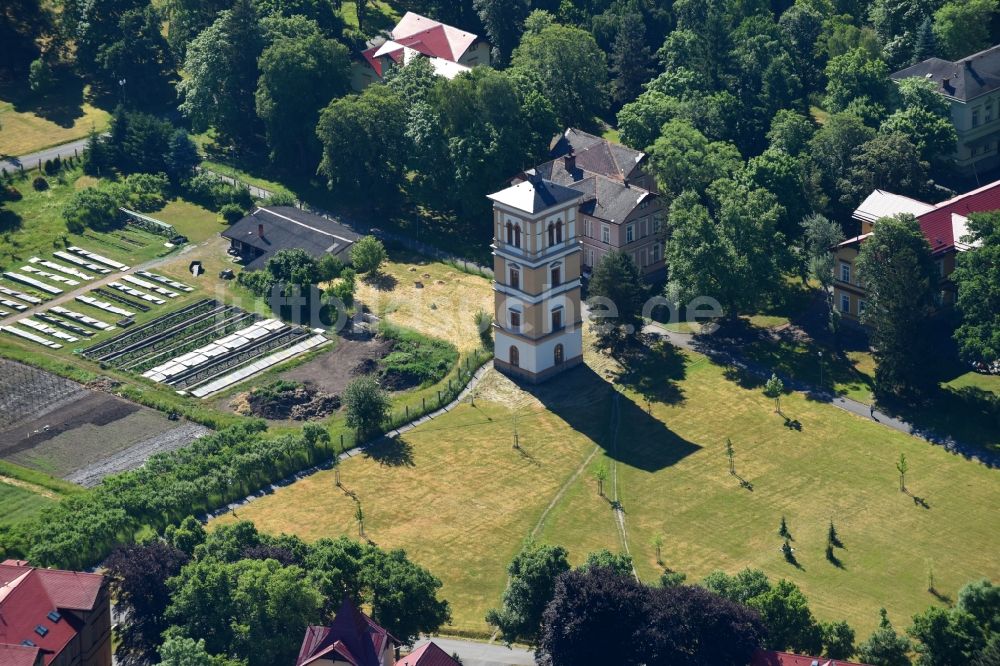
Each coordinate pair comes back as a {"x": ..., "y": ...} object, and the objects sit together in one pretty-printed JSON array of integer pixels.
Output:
[
  {"x": 424, "y": 35},
  {"x": 428, "y": 654},
  {"x": 19, "y": 655},
  {"x": 28, "y": 596},
  {"x": 772, "y": 658},
  {"x": 938, "y": 224},
  {"x": 352, "y": 636}
]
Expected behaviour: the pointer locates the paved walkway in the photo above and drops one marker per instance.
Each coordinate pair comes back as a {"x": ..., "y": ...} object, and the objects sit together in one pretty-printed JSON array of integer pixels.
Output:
[
  {"x": 474, "y": 653},
  {"x": 31, "y": 160},
  {"x": 730, "y": 356}
]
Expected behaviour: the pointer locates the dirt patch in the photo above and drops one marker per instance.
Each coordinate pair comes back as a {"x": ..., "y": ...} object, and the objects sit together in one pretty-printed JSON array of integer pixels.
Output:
[
  {"x": 332, "y": 371},
  {"x": 60, "y": 427},
  {"x": 278, "y": 403},
  {"x": 38, "y": 490}
]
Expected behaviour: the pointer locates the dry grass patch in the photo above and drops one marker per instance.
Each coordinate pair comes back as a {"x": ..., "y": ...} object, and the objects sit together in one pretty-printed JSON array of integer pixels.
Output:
[
  {"x": 443, "y": 307},
  {"x": 25, "y": 132}
]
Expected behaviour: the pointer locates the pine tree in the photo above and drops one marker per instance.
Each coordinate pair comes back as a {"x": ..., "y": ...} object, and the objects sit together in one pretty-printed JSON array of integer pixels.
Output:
[
  {"x": 926, "y": 45},
  {"x": 630, "y": 59},
  {"x": 96, "y": 159}
]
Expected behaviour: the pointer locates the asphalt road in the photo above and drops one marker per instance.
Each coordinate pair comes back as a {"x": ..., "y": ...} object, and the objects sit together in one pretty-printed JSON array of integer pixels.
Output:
[
  {"x": 474, "y": 653},
  {"x": 31, "y": 161}
]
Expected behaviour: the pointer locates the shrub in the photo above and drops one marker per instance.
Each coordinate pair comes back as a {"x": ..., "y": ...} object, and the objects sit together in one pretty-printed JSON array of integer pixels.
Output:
[
  {"x": 10, "y": 193},
  {"x": 232, "y": 213},
  {"x": 258, "y": 282},
  {"x": 415, "y": 359},
  {"x": 329, "y": 267},
  {"x": 368, "y": 254},
  {"x": 92, "y": 209},
  {"x": 484, "y": 324},
  {"x": 146, "y": 192},
  {"x": 40, "y": 184},
  {"x": 343, "y": 289},
  {"x": 281, "y": 198},
  {"x": 211, "y": 192},
  {"x": 367, "y": 406}
]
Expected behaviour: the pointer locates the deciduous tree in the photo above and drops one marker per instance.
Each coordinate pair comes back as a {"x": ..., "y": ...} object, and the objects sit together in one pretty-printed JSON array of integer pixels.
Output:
[
  {"x": 533, "y": 573},
  {"x": 367, "y": 406},
  {"x": 977, "y": 278}
]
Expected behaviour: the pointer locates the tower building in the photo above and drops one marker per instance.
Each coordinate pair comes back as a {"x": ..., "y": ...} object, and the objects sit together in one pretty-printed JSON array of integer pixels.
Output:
[{"x": 538, "y": 322}]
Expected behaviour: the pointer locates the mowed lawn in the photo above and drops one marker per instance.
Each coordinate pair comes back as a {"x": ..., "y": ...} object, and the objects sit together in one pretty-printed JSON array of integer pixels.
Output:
[
  {"x": 443, "y": 307},
  {"x": 460, "y": 499},
  {"x": 24, "y": 132},
  {"x": 18, "y": 503}
]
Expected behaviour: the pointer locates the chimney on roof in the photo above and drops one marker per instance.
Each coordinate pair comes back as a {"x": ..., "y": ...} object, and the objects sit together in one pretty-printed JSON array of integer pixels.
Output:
[
  {"x": 569, "y": 161},
  {"x": 260, "y": 229}
]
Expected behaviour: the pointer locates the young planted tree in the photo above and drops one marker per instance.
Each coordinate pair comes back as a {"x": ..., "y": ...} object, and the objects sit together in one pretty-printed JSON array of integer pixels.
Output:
[
  {"x": 783, "y": 529},
  {"x": 902, "y": 467},
  {"x": 731, "y": 453},
  {"x": 657, "y": 544},
  {"x": 601, "y": 475},
  {"x": 773, "y": 389},
  {"x": 359, "y": 515}
]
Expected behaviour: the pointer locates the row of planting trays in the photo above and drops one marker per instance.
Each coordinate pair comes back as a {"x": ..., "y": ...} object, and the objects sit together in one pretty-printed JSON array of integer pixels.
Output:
[
  {"x": 40, "y": 279},
  {"x": 204, "y": 343}
]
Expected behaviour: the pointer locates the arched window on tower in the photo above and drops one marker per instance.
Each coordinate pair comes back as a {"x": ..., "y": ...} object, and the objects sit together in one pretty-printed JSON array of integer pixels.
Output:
[
  {"x": 559, "y": 231},
  {"x": 515, "y": 356},
  {"x": 558, "y": 355},
  {"x": 510, "y": 233},
  {"x": 552, "y": 234},
  {"x": 517, "y": 235}
]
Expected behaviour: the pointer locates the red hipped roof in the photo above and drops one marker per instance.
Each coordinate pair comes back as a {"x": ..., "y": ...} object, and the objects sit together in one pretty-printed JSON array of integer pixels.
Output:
[
  {"x": 352, "y": 636},
  {"x": 27, "y": 596},
  {"x": 772, "y": 658}
]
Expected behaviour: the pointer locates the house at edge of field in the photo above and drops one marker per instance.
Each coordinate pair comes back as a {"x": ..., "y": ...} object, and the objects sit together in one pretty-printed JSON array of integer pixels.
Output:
[
  {"x": 355, "y": 639},
  {"x": 772, "y": 658},
  {"x": 972, "y": 87},
  {"x": 50, "y": 617},
  {"x": 256, "y": 237},
  {"x": 450, "y": 50},
  {"x": 943, "y": 224}
]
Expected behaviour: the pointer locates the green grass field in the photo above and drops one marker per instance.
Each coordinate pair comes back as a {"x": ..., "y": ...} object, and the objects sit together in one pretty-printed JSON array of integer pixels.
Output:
[
  {"x": 19, "y": 504},
  {"x": 460, "y": 499},
  {"x": 24, "y": 131}
]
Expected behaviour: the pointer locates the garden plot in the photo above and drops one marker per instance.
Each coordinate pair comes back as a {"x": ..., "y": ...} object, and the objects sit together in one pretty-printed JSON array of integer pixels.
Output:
[
  {"x": 82, "y": 318},
  {"x": 135, "y": 293},
  {"x": 205, "y": 344},
  {"x": 97, "y": 259},
  {"x": 12, "y": 305},
  {"x": 65, "y": 429},
  {"x": 38, "y": 272},
  {"x": 104, "y": 305},
  {"x": 25, "y": 335}
]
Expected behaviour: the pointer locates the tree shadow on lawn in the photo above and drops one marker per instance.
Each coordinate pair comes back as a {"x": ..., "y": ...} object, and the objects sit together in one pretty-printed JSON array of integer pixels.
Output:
[
  {"x": 62, "y": 106},
  {"x": 584, "y": 400},
  {"x": 391, "y": 452},
  {"x": 652, "y": 370},
  {"x": 381, "y": 281}
]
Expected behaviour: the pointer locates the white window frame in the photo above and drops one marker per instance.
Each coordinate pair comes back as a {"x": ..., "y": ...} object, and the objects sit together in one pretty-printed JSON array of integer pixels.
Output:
[
  {"x": 845, "y": 269},
  {"x": 629, "y": 233},
  {"x": 606, "y": 234},
  {"x": 511, "y": 312},
  {"x": 845, "y": 303}
]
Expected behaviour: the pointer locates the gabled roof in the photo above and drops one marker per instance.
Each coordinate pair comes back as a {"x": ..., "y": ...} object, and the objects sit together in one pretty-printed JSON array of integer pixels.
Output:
[
  {"x": 598, "y": 155},
  {"x": 352, "y": 637},
  {"x": 428, "y": 654},
  {"x": 27, "y": 598},
  {"x": 772, "y": 658},
  {"x": 882, "y": 204},
  {"x": 965, "y": 79},
  {"x": 943, "y": 224},
  {"x": 535, "y": 195},
  {"x": 286, "y": 227},
  {"x": 443, "y": 45},
  {"x": 20, "y": 655}
]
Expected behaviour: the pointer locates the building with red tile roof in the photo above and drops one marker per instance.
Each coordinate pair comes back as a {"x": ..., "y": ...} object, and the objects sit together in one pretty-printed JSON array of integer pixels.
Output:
[
  {"x": 450, "y": 50},
  {"x": 352, "y": 638},
  {"x": 428, "y": 654},
  {"x": 50, "y": 617},
  {"x": 943, "y": 224},
  {"x": 772, "y": 658}
]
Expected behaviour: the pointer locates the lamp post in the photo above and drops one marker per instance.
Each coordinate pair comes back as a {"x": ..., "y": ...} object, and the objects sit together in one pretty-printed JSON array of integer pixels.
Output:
[{"x": 820, "y": 355}]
